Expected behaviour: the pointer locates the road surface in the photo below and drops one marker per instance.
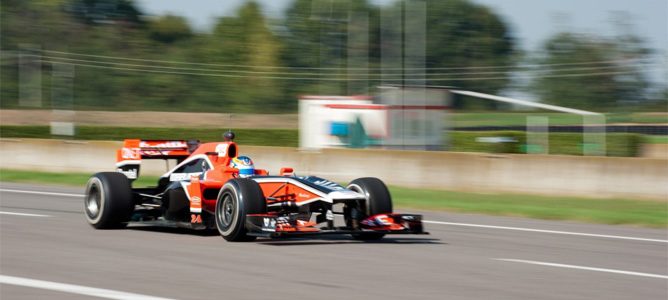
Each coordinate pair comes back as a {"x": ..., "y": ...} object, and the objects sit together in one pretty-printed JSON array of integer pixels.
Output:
[{"x": 47, "y": 250}]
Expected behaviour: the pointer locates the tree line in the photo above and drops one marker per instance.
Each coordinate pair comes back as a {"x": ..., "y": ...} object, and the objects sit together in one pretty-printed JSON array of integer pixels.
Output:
[{"x": 124, "y": 59}]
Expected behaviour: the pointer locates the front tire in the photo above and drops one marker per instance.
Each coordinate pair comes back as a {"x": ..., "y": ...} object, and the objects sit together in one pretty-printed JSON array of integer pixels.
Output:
[
  {"x": 378, "y": 201},
  {"x": 236, "y": 199},
  {"x": 108, "y": 202}
]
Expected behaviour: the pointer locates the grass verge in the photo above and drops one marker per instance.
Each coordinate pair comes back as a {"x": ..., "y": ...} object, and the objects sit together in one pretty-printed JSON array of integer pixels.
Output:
[
  {"x": 656, "y": 139},
  {"x": 68, "y": 179},
  {"x": 471, "y": 119},
  {"x": 605, "y": 211},
  {"x": 561, "y": 143}
]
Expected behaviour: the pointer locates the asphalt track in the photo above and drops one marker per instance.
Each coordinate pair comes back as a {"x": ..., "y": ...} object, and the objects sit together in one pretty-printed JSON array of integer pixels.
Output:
[{"x": 48, "y": 251}]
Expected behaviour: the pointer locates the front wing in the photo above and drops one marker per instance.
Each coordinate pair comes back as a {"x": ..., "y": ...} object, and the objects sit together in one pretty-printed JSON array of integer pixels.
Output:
[{"x": 266, "y": 225}]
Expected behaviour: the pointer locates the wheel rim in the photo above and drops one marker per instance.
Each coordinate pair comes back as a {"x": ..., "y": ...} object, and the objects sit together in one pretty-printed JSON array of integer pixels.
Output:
[
  {"x": 93, "y": 202},
  {"x": 227, "y": 214}
]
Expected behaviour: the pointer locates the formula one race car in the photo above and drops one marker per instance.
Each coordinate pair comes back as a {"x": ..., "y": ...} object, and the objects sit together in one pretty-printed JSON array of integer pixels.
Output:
[{"x": 213, "y": 187}]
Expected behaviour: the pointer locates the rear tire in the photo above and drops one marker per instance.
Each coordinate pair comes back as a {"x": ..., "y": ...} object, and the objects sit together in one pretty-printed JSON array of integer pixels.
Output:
[
  {"x": 108, "y": 202},
  {"x": 236, "y": 199},
  {"x": 378, "y": 201}
]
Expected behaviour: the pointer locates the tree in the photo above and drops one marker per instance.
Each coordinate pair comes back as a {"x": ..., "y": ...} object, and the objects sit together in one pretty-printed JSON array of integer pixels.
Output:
[
  {"x": 130, "y": 60},
  {"x": 315, "y": 39},
  {"x": 663, "y": 100},
  {"x": 169, "y": 28},
  {"x": 459, "y": 34},
  {"x": 105, "y": 11},
  {"x": 246, "y": 40},
  {"x": 19, "y": 31},
  {"x": 589, "y": 72},
  {"x": 467, "y": 36}
]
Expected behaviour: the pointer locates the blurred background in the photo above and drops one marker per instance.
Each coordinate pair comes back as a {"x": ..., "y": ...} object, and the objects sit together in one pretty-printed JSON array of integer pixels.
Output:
[
  {"x": 71, "y": 64},
  {"x": 552, "y": 110}
]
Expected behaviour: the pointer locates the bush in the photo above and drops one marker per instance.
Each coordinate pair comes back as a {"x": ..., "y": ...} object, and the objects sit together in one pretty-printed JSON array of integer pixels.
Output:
[
  {"x": 470, "y": 141},
  {"x": 617, "y": 144}
]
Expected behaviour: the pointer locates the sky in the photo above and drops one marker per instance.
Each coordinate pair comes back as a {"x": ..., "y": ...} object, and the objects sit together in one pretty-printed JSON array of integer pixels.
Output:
[{"x": 532, "y": 21}]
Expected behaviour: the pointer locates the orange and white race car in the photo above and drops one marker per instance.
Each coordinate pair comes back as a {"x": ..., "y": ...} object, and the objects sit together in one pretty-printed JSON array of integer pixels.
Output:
[{"x": 212, "y": 186}]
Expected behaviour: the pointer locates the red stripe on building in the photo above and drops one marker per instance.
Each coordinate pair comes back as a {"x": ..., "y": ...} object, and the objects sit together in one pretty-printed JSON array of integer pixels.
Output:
[
  {"x": 357, "y": 106},
  {"x": 359, "y": 97},
  {"x": 420, "y": 107}
]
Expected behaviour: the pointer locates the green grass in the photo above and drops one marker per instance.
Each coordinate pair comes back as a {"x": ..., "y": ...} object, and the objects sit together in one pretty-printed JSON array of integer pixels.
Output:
[
  {"x": 617, "y": 144},
  {"x": 656, "y": 139},
  {"x": 555, "y": 119},
  {"x": 606, "y": 211},
  {"x": 69, "y": 179},
  {"x": 510, "y": 119}
]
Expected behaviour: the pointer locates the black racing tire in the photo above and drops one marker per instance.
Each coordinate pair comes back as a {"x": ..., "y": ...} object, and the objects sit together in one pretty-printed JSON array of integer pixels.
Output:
[
  {"x": 108, "y": 202},
  {"x": 236, "y": 199},
  {"x": 378, "y": 201}
]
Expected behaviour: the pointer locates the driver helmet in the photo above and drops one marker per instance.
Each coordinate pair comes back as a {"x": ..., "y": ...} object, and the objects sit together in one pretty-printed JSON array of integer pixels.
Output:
[{"x": 245, "y": 166}]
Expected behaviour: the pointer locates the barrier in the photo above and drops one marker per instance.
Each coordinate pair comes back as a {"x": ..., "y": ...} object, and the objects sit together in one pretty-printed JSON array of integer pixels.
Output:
[{"x": 539, "y": 174}]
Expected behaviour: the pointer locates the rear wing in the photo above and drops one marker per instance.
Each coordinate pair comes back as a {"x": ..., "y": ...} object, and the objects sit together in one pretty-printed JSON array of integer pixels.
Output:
[{"x": 128, "y": 158}]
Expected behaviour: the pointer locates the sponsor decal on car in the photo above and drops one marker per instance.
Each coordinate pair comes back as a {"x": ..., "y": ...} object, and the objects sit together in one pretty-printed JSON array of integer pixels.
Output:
[
  {"x": 269, "y": 224},
  {"x": 182, "y": 176},
  {"x": 155, "y": 152},
  {"x": 379, "y": 220},
  {"x": 222, "y": 149},
  {"x": 127, "y": 153},
  {"x": 168, "y": 144}
]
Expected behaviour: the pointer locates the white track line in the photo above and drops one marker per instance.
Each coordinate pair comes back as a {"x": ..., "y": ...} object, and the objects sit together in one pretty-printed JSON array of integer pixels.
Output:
[
  {"x": 75, "y": 289},
  {"x": 21, "y": 214},
  {"x": 583, "y": 268},
  {"x": 427, "y": 221},
  {"x": 549, "y": 231},
  {"x": 41, "y": 193}
]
